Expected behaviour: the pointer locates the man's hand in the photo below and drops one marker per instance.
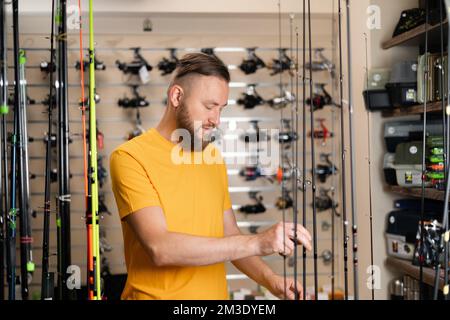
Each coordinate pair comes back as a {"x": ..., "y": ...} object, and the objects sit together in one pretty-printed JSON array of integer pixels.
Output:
[
  {"x": 280, "y": 239},
  {"x": 275, "y": 284}
]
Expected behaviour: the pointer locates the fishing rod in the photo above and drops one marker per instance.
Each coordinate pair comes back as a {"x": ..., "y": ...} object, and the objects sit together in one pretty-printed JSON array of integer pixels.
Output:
[
  {"x": 343, "y": 174},
  {"x": 47, "y": 281},
  {"x": 11, "y": 235},
  {"x": 424, "y": 133},
  {"x": 445, "y": 235},
  {"x": 294, "y": 149},
  {"x": 304, "y": 145},
  {"x": 294, "y": 117},
  {"x": 4, "y": 110},
  {"x": 26, "y": 255},
  {"x": 93, "y": 160},
  {"x": 90, "y": 257},
  {"x": 281, "y": 155},
  {"x": 370, "y": 174},
  {"x": 352, "y": 157},
  {"x": 313, "y": 160},
  {"x": 63, "y": 214}
]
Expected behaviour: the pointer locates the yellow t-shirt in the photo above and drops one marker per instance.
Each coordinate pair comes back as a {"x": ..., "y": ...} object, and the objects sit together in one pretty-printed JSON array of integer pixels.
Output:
[{"x": 193, "y": 198}]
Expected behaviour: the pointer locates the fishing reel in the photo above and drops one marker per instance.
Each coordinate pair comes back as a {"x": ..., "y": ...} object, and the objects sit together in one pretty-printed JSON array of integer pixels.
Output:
[
  {"x": 256, "y": 208},
  {"x": 102, "y": 173},
  {"x": 98, "y": 65},
  {"x": 136, "y": 102},
  {"x": 251, "y": 173},
  {"x": 167, "y": 66},
  {"x": 324, "y": 201},
  {"x": 47, "y": 67},
  {"x": 11, "y": 100},
  {"x": 321, "y": 97},
  {"x": 210, "y": 52},
  {"x": 322, "y": 133},
  {"x": 428, "y": 253},
  {"x": 323, "y": 64},
  {"x": 252, "y": 63},
  {"x": 255, "y": 134},
  {"x": 283, "y": 174},
  {"x": 54, "y": 175},
  {"x": 87, "y": 100},
  {"x": 281, "y": 101},
  {"x": 138, "y": 129},
  {"x": 102, "y": 208},
  {"x": 284, "y": 201},
  {"x": 251, "y": 98},
  {"x": 45, "y": 139},
  {"x": 323, "y": 171},
  {"x": 287, "y": 137},
  {"x": 136, "y": 65},
  {"x": 46, "y": 101},
  {"x": 281, "y": 64}
]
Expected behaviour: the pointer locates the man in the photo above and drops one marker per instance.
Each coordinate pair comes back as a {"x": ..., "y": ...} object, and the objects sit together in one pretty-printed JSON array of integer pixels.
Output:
[{"x": 177, "y": 222}]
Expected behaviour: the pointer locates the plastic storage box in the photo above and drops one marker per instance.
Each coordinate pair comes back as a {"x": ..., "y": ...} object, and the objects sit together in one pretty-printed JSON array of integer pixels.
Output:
[{"x": 402, "y": 85}]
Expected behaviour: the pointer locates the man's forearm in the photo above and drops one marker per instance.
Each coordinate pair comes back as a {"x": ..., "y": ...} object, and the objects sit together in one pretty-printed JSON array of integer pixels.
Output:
[
  {"x": 177, "y": 249},
  {"x": 255, "y": 268}
]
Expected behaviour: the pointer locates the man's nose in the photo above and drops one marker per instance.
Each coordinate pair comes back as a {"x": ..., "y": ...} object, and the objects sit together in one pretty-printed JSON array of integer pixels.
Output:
[{"x": 214, "y": 118}]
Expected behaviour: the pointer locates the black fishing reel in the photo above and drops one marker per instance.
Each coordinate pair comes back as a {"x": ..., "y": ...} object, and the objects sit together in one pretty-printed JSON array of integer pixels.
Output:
[
  {"x": 255, "y": 135},
  {"x": 136, "y": 65},
  {"x": 252, "y": 63},
  {"x": 321, "y": 97},
  {"x": 102, "y": 173},
  {"x": 54, "y": 175},
  {"x": 167, "y": 66},
  {"x": 322, "y": 64},
  {"x": 323, "y": 171},
  {"x": 47, "y": 67},
  {"x": 136, "y": 102},
  {"x": 46, "y": 101},
  {"x": 98, "y": 65},
  {"x": 281, "y": 101},
  {"x": 281, "y": 64},
  {"x": 251, "y": 98},
  {"x": 284, "y": 201},
  {"x": 250, "y": 173},
  {"x": 324, "y": 201},
  {"x": 256, "y": 208},
  {"x": 53, "y": 139},
  {"x": 210, "y": 52},
  {"x": 11, "y": 100},
  {"x": 287, "y": 137},
  {"x": 102, "y": 208}
]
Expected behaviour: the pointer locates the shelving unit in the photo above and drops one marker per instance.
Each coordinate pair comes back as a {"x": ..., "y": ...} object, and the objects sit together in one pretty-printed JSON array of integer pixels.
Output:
[
  {"x": 408, "y": 268},
  {"x": 415, "y": 37}
]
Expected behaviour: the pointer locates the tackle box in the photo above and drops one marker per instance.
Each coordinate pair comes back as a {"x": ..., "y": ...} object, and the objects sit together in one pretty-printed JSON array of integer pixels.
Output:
[
  {"x": 401, "y": 233},
  {"x": 396, "y": 132},
  {"x": 402, "y": 85},
  {"x": 389, "y": 169},
  {"x": 376, "y": 97},
  {"x": 408, "y": 164}
]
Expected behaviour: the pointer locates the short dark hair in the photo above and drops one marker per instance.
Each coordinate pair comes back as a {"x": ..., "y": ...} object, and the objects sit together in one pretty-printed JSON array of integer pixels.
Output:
[{"x": 202, "y": 64}]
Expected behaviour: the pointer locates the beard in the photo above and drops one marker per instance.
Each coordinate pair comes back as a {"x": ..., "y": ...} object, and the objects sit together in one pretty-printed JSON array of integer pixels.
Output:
[{"x": 197, "y": 142}]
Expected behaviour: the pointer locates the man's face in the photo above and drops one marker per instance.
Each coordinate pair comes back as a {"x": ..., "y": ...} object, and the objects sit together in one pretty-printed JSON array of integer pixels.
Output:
[{"x": 200, "y": 110}]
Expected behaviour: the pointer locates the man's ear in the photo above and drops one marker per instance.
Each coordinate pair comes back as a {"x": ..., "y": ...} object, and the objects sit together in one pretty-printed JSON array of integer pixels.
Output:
[{"x": 175, "y": 95}]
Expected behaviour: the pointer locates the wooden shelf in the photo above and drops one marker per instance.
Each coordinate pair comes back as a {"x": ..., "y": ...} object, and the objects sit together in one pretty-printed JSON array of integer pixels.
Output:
[
  {"x": 416, "y": 36},
  {"x": 408, "y": 268},
  {"x": 430, "y": 193},
  {"x": 432, "y": 107}
]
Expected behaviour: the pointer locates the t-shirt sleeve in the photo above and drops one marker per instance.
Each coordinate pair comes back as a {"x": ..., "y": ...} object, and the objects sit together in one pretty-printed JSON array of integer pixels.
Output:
[
  {"x": 132, "y": 188},
  {"x": 226, "y": 199}
]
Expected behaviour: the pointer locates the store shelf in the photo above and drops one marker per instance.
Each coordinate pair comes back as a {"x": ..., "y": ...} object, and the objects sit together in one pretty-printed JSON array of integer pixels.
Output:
[
  {"x": 417, "y": 192},
  {"x": 408, "y": 268},
  {"x": 432, "y": 107},
  {"x": 416, "y": 36}
]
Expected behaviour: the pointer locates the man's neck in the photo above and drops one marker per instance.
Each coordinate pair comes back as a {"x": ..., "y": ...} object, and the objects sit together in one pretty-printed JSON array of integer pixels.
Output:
[{"x": 166, "y": 127}]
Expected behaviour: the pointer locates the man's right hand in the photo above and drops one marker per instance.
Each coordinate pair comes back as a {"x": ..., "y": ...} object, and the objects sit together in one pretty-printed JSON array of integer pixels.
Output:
[{"x": 280, "y": 239}]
